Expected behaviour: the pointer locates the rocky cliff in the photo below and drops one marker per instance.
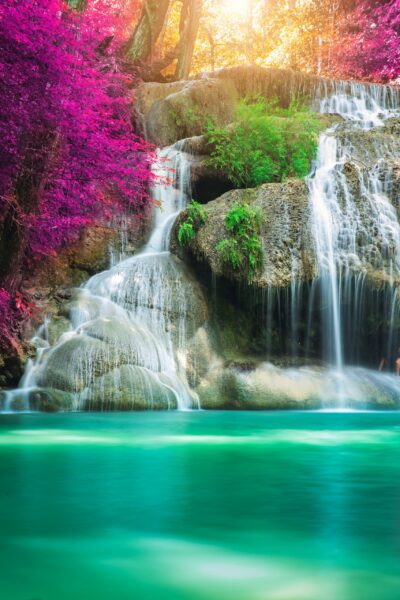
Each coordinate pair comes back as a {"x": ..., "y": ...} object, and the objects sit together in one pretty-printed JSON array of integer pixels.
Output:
[
  {"x": 243, "y": 343},
  {"x": 181, "y": 110},
  {"x": 169, "y": 112}
]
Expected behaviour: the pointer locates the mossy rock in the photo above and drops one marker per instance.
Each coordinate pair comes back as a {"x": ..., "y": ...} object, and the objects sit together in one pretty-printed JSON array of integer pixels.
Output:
[
  {"x": 285, "y": 232},
  {"x": 270, "y": 388},
  {"x": 129, "y": 388},
  {"x": 172, "y": 112}
]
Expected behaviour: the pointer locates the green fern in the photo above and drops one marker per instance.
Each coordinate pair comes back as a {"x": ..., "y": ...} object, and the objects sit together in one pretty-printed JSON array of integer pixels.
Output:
[
  {"x": 186, "y": 233},
  {"x": 195, "y": 218},
  {"x": 243, "y": 249}
]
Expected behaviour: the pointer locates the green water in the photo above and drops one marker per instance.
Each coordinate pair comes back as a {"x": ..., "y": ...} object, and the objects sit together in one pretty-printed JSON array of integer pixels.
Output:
[{"x": 200, "y": 506}]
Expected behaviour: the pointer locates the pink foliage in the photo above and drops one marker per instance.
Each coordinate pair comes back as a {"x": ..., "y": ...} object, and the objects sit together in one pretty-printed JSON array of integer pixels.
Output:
[
  {"x": 368, "y": 43},
  {"x": 58, "y": 90},
  {"x": 112, "y": 17},
  {"x": 53, "y": 79}
]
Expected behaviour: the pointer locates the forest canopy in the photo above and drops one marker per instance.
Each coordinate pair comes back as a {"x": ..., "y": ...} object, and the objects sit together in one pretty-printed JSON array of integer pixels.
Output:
[{"x": 342, "y": 38}]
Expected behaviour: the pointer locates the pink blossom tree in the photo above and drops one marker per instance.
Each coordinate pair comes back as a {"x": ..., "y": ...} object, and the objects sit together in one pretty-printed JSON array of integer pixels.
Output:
[
  {"x": 368, "y": 41},
  {"x": 69, "y": 156}
]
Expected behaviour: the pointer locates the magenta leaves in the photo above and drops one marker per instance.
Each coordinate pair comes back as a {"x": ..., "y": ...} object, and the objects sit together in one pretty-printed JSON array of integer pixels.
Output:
[
  {"x": 368, "y": 42},
  {"x": 55, "y": 80}
]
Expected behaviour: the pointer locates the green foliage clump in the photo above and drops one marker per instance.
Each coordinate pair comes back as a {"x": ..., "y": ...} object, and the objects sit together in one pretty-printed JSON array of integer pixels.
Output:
[
  {"x": 243, "y": 249},
  {"x": 266, "y": 143},
  {"x": 195, "y": 217},
  {"x": 190, "y": 118}
]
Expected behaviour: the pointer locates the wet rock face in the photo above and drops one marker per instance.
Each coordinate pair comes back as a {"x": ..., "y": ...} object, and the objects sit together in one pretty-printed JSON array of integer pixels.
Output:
[
  {"x": 368, "y": 147},
  {"x": 272, "y": 388},
  {"x": 126, "y": 327},
  {"x": 159, "y": 288},
  {"x": 129, "y": 388},
  {"x": 50, "y": 287},
  {"x": 285, "y": 233},
  {"x": 368, "y": 192}
]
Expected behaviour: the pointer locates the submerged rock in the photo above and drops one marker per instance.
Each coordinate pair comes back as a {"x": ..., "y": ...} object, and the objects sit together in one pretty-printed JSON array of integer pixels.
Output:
[{"x": 268, "y": 387}]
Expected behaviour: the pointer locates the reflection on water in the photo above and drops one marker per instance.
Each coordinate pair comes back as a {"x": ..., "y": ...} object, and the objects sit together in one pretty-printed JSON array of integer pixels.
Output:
[{"x": 216, "y": 506}]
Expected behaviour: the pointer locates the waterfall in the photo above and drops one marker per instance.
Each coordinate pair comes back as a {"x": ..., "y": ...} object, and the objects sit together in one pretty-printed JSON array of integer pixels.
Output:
[
  {"x": 365, "y": 104},
  {"x": 324, "y": 210},
  {"x": 351, "y": 231},
  {"x": 126, "y": 345},
  {"x": 137, "y": 336}
]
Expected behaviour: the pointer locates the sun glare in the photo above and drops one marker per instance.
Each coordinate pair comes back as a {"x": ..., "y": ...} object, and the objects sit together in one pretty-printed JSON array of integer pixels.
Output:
[{"x": 239, "y": 7}]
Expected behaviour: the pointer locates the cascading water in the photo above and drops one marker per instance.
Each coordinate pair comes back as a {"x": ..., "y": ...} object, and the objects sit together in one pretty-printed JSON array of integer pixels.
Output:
[
  {"x": 126, "y": 346},
  {"x": 330, "y": 326},
  {"x": 344, "y": 227},
  {"x": 365, "y": 105},
  {"x": 137, "y": 338},
  {"x": 324, "y": 207}
]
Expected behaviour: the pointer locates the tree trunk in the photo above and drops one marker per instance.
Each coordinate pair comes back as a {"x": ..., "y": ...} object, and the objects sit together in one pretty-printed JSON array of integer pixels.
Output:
[
  {"x": 23, "y": 205},
  {"x": 161, "y": 37},
  {"x": 188, "y": 29},
  {"x": 141, "y": 46}
]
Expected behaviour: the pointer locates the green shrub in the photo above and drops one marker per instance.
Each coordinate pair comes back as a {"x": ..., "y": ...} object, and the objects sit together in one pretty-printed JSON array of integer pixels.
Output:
[
  {"x": 243, "y": 249},
  {"x": 195, "y": 217},
  {"x": 266, "y": 143}
]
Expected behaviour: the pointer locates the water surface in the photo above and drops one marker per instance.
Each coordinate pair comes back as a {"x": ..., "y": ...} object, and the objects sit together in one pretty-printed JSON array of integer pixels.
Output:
[{"x": 195, "y": 505}]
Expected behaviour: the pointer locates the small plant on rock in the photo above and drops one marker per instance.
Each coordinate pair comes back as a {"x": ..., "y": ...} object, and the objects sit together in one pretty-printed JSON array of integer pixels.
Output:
[
  {"x": 195, "y": 218},
  {"x": 243, "y": 249}
]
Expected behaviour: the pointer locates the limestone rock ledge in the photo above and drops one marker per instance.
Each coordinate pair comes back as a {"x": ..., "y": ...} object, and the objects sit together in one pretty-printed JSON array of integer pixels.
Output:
[
  {"x": 172, "y": 111},
  {"x": 169, "y": 112},
  {"x": 285, "y": 232},
  {"x": 288, "y": 241}
]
